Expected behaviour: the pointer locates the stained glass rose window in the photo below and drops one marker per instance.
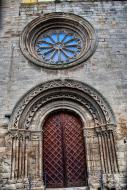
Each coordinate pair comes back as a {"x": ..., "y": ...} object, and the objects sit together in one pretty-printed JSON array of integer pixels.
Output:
[
  {"x": 59, "y": 47},
  {"x": 58, "y": 40}
]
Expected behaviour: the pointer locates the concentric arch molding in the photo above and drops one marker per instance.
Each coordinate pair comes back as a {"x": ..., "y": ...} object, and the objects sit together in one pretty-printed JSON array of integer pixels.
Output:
[
  {"x": 58, "y": 40},
  {"x": 59, "y": 90}
]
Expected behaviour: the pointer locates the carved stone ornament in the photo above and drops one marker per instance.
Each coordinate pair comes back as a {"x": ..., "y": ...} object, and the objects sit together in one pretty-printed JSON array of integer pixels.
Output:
[
  {"x": 58, "y": 40},
  {"x": 60, "y": 90}
]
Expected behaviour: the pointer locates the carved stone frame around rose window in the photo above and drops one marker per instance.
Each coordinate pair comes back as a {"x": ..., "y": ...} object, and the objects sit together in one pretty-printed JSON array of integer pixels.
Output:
[{"x": 58, "y": 20}]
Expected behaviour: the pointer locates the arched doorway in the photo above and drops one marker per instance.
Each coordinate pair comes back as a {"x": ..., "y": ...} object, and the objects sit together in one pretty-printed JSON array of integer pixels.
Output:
[
  {"x": 64, "y": 154},
  {"x": 32, "y": 112}
]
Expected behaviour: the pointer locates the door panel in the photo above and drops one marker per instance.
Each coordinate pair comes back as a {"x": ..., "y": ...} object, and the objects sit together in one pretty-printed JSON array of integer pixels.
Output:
[
  {"x": 53, "y": 153},
  {"x": 75, "y": 154},
  {"x": 64, "y": 151}
]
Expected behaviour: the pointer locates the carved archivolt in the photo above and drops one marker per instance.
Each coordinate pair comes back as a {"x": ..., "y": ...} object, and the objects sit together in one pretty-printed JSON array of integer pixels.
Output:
[{"x": 56, "y": 90}]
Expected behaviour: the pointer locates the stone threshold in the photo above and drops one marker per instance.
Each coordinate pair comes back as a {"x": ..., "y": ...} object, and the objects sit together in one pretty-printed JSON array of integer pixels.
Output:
[{"x": 69, "y": 188}]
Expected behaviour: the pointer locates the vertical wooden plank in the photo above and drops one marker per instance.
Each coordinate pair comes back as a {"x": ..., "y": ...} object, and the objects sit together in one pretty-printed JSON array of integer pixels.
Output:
[
  {"x": 52, "y": 152},
  {"x": 74, "y": 150}
]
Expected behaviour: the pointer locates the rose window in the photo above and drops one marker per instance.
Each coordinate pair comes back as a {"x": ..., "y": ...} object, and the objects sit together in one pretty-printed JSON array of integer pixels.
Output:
[
  {"x": 59, "y": 47},
  {"x": 58, "y": 40}
]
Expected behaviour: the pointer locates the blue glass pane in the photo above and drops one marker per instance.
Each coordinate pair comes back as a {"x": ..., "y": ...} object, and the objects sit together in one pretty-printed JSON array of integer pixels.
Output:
[
  {"x": 49, "y": 40},
  {"x": 54, "y": 37},
  {"x": 72, "y": 43},
  {"x": 61, "y": 36},
  {"x": 72, "y": 48},
  {"x": 43, "y": 45},
  {"x": 68, "y": 38},
  {"x": 63, "y": 57},
  {"x": 58, "y": 47},
  {"x": 55, "y": 58},
  {"x": 43, "y": 50},
  {"x": 68, "y": 53}
]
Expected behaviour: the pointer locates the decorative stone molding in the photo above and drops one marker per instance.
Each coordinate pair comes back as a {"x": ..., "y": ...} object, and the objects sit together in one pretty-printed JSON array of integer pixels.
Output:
[
  {"x": 70, "y": 23},
  {"x": 55, "y": 90},
  {"x": 20, "y": 134},
  {"x": 65, "y": 105},
  {"x": 105, "y": 128},
  {"x": 89, "y": 132}
]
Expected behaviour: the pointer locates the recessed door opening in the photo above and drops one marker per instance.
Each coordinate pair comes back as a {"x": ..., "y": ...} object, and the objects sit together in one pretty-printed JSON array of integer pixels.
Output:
[{"x": 64, "y": 154}]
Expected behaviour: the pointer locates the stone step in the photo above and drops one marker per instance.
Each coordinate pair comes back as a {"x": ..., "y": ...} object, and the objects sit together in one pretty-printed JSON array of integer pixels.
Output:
[
  {"x": 69, "y": 188},
  {"x": 37, "y": 188}
]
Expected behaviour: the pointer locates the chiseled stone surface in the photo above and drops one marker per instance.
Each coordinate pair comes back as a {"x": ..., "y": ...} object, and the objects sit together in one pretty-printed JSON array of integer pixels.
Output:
[{"x": 106, "y": 70}]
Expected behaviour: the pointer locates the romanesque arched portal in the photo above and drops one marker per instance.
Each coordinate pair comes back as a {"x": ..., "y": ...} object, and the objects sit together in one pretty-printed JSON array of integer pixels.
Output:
[{"x": 27, "y": 129}]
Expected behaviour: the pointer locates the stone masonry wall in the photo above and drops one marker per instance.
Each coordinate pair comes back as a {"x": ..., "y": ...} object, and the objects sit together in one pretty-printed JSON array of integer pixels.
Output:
[{"x": 106, "y": 70}]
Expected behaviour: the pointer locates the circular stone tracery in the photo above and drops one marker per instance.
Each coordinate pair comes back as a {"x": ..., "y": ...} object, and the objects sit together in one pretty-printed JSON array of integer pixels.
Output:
[
  {"x": 58, "y": 40},
  {"x": 58, "y": 47}
]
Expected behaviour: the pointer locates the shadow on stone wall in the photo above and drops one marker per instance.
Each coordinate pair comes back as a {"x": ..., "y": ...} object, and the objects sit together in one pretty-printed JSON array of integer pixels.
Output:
[
  {"x": 2, "y": 4},
  {"x": 125, "y": 173}
]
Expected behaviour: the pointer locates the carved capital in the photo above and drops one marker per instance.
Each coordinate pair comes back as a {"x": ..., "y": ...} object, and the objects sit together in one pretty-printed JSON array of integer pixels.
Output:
[
  {"x": 104, "y": 128},
  {"x": 89, "y": 132},
  {"x": 20, "y": 134},
  {"x": 36, "y": 135}
]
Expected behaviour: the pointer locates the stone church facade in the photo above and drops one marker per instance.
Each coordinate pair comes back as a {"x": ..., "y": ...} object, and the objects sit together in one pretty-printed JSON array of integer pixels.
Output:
[{"x": 63, "y": 113}]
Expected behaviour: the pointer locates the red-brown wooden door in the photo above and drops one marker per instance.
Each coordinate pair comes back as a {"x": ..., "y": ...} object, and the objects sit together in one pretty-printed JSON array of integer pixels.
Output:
[{"x": 64, "y": 153}]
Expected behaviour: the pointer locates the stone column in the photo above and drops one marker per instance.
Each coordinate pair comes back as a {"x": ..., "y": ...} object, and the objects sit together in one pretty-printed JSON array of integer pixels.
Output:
[
  {"x": 4, "y": 151},
  {"x": 36, "y": 157},
  {"x": 19, "y": 159},
  {"x": 26, "y": 156},
  {"x": 93, "y": 157},
  {"x": 107, "y": 145}
]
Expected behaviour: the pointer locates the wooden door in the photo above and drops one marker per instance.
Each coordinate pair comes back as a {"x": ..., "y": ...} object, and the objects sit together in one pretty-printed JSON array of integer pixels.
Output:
[{"x": 64, "y": 153}]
